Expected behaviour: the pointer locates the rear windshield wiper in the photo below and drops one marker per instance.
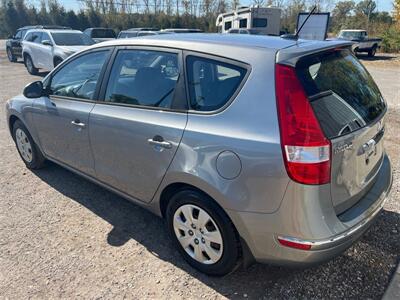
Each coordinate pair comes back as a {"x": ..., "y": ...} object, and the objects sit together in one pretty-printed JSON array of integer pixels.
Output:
[{"x": 320, "y": 95}]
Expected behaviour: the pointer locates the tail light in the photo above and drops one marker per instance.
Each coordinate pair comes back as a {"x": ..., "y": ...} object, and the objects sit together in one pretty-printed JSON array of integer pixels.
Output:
[{"x": 306, "y": 150}]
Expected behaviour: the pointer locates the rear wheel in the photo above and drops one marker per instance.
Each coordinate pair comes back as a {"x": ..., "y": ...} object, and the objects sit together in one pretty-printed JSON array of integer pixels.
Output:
[
  {"x": 26, "y": 147},
  {"x": 203, "y": 233},
  {"x": 10, "y": 55},
  {"x": 372, "y": 52},
  {"x": 30, "y": 66}
]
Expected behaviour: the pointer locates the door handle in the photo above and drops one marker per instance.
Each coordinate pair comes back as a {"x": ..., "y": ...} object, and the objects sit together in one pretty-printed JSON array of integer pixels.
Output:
[
  {"x": 78, "y": 123},
  {"x": 159, "y": 143}
]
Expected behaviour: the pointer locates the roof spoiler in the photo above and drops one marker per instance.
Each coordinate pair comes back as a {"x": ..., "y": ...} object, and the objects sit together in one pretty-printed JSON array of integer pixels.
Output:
[{"x": 290, "y": 55}]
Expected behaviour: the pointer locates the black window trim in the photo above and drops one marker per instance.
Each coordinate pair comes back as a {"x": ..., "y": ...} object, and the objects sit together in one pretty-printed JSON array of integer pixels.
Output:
[
  {"x": 47, "y": 80},
  {"x": 180, "y": 90},
  {"x": 221, "y": 59}
]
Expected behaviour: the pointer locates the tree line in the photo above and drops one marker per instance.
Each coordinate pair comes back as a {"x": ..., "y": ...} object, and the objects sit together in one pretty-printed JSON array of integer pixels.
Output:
[{"x": 123, "y": 14}]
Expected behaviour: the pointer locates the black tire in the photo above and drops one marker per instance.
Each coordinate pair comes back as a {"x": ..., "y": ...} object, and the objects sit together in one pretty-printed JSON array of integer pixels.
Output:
[
  {"x": 38, "y": 159},
  {"x": 372, "y": 52},
  {"x": 10, "y": 55},
  {"x": 231, "y": 253},
  {"x": 57, "y": 61},
  {"x": 30, "y": 66}
]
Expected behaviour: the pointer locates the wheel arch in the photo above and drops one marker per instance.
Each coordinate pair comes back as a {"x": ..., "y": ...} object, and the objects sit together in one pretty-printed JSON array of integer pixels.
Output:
[
  {"x": 247, "y": 257},
  {"x": 13, "y": 117},
  {"x": 174, "y": 188},
  {"x": 55, "y": 58},
  {"x": 11, "y": 121}
]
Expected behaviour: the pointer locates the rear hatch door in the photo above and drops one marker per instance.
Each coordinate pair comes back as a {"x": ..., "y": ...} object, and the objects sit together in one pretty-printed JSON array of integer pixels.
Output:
[{"x": 350, "y": 109}]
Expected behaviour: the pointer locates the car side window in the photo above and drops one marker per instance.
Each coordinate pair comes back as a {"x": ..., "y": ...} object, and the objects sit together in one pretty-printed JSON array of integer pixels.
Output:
[
  {"x": 212, "y": 83},
  {"x": 143, "y": 77},
  {"x": 18, "y": 35},
  {"x": 37, "y": 37},
  {"x": 28, "y": 37},
  {"x": 78, "y": 78},
  {"x": 45, "y": 37}
]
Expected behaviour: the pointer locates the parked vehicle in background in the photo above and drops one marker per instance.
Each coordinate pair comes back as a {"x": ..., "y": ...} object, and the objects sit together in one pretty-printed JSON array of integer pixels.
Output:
[
  {"x": 263, "y": 20},
  {"x": 182, "y": 30},
  {"x": 131, "y": 33},
  {"x": 244, "y": 31},
  {"x": 100, "y": 34},
  {"x": 362, "y": 43},
  {"x": 13, "y": 44},
  {"x": 46, "y": 48},
  {"x": 143, "y": 29},
  {"x": 295, "y": 182}
]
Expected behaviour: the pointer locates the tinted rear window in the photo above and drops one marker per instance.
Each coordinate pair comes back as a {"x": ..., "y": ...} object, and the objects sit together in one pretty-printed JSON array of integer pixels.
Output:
[
  {"x": 103, "y": 33},
  {"x": 71, "y": 39},
  {"x": 342, "y": 93}
]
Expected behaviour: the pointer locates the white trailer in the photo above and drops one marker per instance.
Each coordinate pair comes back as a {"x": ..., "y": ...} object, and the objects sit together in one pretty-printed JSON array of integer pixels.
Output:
[{"x": 261, "y": 20}]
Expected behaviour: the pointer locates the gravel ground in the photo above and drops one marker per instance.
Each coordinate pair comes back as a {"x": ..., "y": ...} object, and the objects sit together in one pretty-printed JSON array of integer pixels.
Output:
[{"x": 62, "y": 236}]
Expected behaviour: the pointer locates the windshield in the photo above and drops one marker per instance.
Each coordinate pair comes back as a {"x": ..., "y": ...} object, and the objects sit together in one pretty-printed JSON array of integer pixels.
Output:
[
  {"x": 103, "y": 34},
  {"x": 71, "y": 39},
  {"x": 341, "y": 91},
  {"x": 350, "y": 34}
]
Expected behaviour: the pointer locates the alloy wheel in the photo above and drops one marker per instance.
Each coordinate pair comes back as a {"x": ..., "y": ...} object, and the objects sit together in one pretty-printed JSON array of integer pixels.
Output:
[
  {"x": 24, "y": 145},
  {"x": 29, "y": 64},
  {"x": 198, "y": 234}
]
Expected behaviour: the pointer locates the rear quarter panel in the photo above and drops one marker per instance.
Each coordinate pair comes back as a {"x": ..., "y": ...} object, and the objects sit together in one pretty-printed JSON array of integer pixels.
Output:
[{"x": 249, "y": 128}]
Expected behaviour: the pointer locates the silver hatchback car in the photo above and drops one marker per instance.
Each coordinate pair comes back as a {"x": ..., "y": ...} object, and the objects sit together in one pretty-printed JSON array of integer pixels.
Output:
[{"x": 252, "y": 148}]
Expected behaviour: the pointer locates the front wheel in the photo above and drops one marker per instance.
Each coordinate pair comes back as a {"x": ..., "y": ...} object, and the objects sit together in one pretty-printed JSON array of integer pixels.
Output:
[
  {"x": 372, "y": 52},
  {"x": 26, "y": 147},
  {"x": 10, "y": 55},
  {"x": 203, "y": 233},
  {"x": 30, "y": 66}
]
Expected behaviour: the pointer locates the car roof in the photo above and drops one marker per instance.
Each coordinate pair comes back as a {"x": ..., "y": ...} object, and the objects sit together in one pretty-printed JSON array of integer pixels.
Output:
[
  {"x": 55, "y": 30},
  {"x": 101, "y": 28},
  {"x": 189, "y": 41},
  {"x": 44, "y": 27},
  {"x": 241, "y": 47},
  {"x": 142, "y": 29},
  {"x": 353, "y": 30}
]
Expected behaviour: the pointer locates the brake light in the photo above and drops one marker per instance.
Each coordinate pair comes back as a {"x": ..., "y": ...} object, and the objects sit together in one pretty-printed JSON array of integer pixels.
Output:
[{"x": 306, "y": 150}]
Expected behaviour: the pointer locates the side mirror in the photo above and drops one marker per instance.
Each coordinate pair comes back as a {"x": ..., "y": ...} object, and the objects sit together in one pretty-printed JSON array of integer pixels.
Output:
[
  {"x": 34, "y": 90},
  {"x": 47, "y": 43},
  {"x": 10, "y": 37}
]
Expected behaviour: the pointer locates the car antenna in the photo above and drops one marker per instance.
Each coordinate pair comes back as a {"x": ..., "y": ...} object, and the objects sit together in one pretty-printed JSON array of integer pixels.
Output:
[{"x": 295, "y": 36}]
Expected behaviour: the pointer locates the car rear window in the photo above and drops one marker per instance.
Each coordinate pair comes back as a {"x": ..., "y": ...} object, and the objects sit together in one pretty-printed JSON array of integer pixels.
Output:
[
  {"x": 103, "y": 33},
  {"x": 71, "y": 39},
  {"x": 341, "y": 91}
]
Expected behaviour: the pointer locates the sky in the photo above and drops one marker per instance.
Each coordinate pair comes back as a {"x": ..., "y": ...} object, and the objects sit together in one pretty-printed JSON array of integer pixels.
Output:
[{"x": 382, "y": 5}]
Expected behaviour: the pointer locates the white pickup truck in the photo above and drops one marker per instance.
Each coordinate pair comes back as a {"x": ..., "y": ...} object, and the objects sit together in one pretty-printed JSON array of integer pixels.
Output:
[{"x": 361, "y": 41}]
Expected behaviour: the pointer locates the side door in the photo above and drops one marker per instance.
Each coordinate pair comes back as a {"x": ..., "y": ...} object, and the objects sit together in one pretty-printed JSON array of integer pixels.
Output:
[
  {"x": 136, "y": 129},
  {"x": 62, "y": 118},
  {"x": 45, "y": 52},
  {"x": 35, "y": 53}
]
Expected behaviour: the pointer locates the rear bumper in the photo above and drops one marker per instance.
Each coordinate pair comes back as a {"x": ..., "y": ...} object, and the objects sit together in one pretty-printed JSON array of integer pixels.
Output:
[{"x": 305, "y": 217}]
